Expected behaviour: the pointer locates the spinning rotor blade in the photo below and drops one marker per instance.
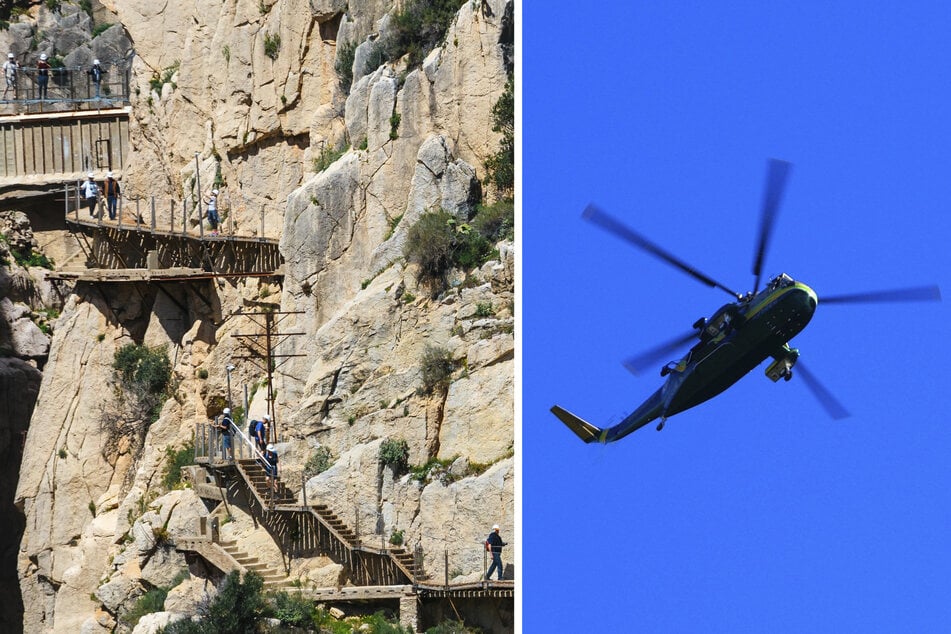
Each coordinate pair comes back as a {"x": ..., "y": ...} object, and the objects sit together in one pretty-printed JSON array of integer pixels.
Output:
[
  {"x": 828, "y": 402},
  {"x": 916, "y": 294},
  {"x": 646, "y": 360},
  {"x": 611, "y": 224},
  {"x": 775, "y": 185}
]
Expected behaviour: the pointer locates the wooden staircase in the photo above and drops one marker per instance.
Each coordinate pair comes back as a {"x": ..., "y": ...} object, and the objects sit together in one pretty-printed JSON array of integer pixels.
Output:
[
  {"x": 273, "y": 578},
  {"x": 256, "y": 478}
]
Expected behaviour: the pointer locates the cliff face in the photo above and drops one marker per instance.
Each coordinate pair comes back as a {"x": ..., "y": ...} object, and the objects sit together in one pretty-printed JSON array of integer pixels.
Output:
[{"x": 262, "y": 121}]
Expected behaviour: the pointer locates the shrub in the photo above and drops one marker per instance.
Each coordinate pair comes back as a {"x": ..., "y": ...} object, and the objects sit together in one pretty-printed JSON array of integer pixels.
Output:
[
  {"x": 496, "y": 221},
  {"x": 293, "y": 611},
  {"x": 396, "y": 538},
  {"x": 395, "y": 454},
  {"x": 272, "y": 45},
  {"x": 452, "y": 627},
  {"x": 394, "y": 126},
  {"x": 239, "y": 607},
  {"x": 327, "y": 156},
  {"x": 436, "y": 365},
  {"x": 101, "y": 28},
  {"x": 150, "y": 602},
  {"x": 484, "y": 309},
  {"x": 138, "y": 366},
  {"x": 175, "y": 459},
  {"x": 319, "y": 462},
  {"x": 344, "y": 65},
  {"x": 500, "y": 167},
  {"x": 418, "y": 28},
  {"x": 54, "y": 5},
  {"x": 202, "y": 373}
]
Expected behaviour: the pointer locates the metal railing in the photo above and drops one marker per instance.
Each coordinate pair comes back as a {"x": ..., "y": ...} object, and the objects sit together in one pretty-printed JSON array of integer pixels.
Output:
[
  {"x": 209, "y": 444},
  {"x": 186, "y": 218},
  {"x": 72, "y": 85}
]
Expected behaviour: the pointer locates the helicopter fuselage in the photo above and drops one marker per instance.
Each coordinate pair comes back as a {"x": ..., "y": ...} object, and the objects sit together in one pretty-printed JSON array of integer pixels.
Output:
[{"x": 738, "y": 338}]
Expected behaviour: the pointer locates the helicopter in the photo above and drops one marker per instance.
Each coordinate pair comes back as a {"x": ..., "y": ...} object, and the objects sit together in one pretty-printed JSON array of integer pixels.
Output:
[{"x": 737, "y": 337}]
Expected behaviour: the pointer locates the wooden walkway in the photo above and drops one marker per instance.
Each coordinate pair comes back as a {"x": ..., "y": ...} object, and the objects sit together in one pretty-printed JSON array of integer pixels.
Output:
[{"x": 130, "y": 250}]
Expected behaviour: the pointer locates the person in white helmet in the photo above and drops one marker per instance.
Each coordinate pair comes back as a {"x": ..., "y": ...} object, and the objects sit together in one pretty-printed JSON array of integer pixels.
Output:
[
  {"x": 270, "y": 467},
  {"x": 494, "y": 544},
  {"x": 111, "y": 185},
  {"x": 95, "y": 73},
  {"x": 42, "y": 76},
  {"x": 212, "y": 202},
  {"x": 10, "y": 69},
  {"x": 90, "y": 192},
  {"x": 223, "y": 427}
]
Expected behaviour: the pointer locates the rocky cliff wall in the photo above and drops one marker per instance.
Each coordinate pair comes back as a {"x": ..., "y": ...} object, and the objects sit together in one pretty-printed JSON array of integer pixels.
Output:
[{"x": 205, "y": 84}]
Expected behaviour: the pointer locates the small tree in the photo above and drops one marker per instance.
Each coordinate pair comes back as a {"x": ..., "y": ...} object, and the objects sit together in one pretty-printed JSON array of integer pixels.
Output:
[
  {"x": 436, "y": 365},
  {"x": 395, "y": 455}
]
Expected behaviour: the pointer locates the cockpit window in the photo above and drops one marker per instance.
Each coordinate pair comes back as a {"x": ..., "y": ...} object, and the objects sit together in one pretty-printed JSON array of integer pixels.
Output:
[{"x": 780, "y": 281}]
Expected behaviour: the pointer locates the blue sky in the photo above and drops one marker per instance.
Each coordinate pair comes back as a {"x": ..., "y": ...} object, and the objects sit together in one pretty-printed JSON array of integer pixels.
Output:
[{"x": 754, "y": 511}]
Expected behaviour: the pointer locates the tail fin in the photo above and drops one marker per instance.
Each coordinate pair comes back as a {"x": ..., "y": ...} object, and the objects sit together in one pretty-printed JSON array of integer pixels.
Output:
[{"x": 583, "y": 429}]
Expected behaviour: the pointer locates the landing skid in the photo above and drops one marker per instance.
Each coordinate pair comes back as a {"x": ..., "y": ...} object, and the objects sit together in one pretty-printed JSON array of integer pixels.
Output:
[{"x": 660, "y": 425}]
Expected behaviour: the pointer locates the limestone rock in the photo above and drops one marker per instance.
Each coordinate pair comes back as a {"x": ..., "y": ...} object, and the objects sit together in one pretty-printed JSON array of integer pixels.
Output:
[
  {"x": 186, "y": 597},
  {"x": 156, "y": 622}
]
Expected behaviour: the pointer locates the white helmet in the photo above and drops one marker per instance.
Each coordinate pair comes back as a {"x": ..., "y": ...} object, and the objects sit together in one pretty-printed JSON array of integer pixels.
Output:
[
  {"x": 267, "y": 418},
  {"x": 89, "y": 175},
  {"x": 227, "y": 410},
  {"x": 270, "y": 447},
  {"x": 95, "y": 62},
  {"x": 43, "y": 56},
  {"x": 215, "y": 192},
  {"x": 9, "y": 55},
  {"x": 109, "y": 174}
]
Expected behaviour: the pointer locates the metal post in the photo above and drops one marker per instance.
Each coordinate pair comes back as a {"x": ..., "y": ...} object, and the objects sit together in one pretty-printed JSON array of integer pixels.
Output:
[
  {"x": 228, "y": 369},
  {"x": 184, "y": 216},
  {"x": 446, "y": 556},
  {"x": 153, "y": 214},
  {"x": 201, "y": 225},
  {"x": 66, "y": 201},
  {"x": 138, "y": 216},
  {"x": 171, "y": 216},
  {"x": 303, "y": 488}
]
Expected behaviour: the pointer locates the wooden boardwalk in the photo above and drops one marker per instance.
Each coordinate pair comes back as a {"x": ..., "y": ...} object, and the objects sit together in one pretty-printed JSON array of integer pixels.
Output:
[{"x": 130, "y": 250}]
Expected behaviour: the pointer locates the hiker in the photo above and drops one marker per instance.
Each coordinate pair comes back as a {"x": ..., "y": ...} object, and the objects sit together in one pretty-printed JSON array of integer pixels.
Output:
[
  {"x": 212, "y": 202},
  {"x": 112, "y": 194},
  {"x": 223, "y": 426},
  {"x": 270, "y": 467},
  {"x": 494, "y": 544},
  {"x": 43, "y": 76},
  {"x": 10, "y": 69},
  {"x": 96, "y": 74},
  {"x": 90, "y": 194},
  {"x": 259, "y": 432}
]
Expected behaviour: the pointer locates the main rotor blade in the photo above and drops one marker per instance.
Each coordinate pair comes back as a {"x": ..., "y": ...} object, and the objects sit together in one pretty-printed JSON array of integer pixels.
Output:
[
  {"x": 915, "y": 294},
  {"x": 828, "y": 402},
  {"x": 611, "y": 224},
  {"x": 646, "y": 360},
  {"x": 775, "y": 185}
]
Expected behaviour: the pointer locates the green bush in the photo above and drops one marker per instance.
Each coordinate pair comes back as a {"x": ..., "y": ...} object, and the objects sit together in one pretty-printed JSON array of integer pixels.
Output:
[
  {"x": 394, "y": 126},
  {"x": 291, "y": 610},
  {"x": 418, "y": 28},
  {"x": 149, "y": 603},
  {"x": 54, "y": 5},
  {"x": 395, "y": 454},
  {"x": 496, "y": 221},
  {"x": 344, "y": 65},
  {"x": 239, "y": 607},
  {"x": 500, "y": 167},
  {"x": 396, "y": 538},
  {"x": 175, "y": 459},
  {"x": 272, "y": 45},
  {"x": 141, "y": 367},
  {"x": 101, "y": 28},
  {"x": 436, "y": 365},
  {"x": 319, "y": 462},
  {"x": 327, "y": 156}
]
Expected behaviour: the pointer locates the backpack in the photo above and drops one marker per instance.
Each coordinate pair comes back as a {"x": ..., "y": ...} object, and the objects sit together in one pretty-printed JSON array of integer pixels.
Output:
[{"x": 251, "y": 427}]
